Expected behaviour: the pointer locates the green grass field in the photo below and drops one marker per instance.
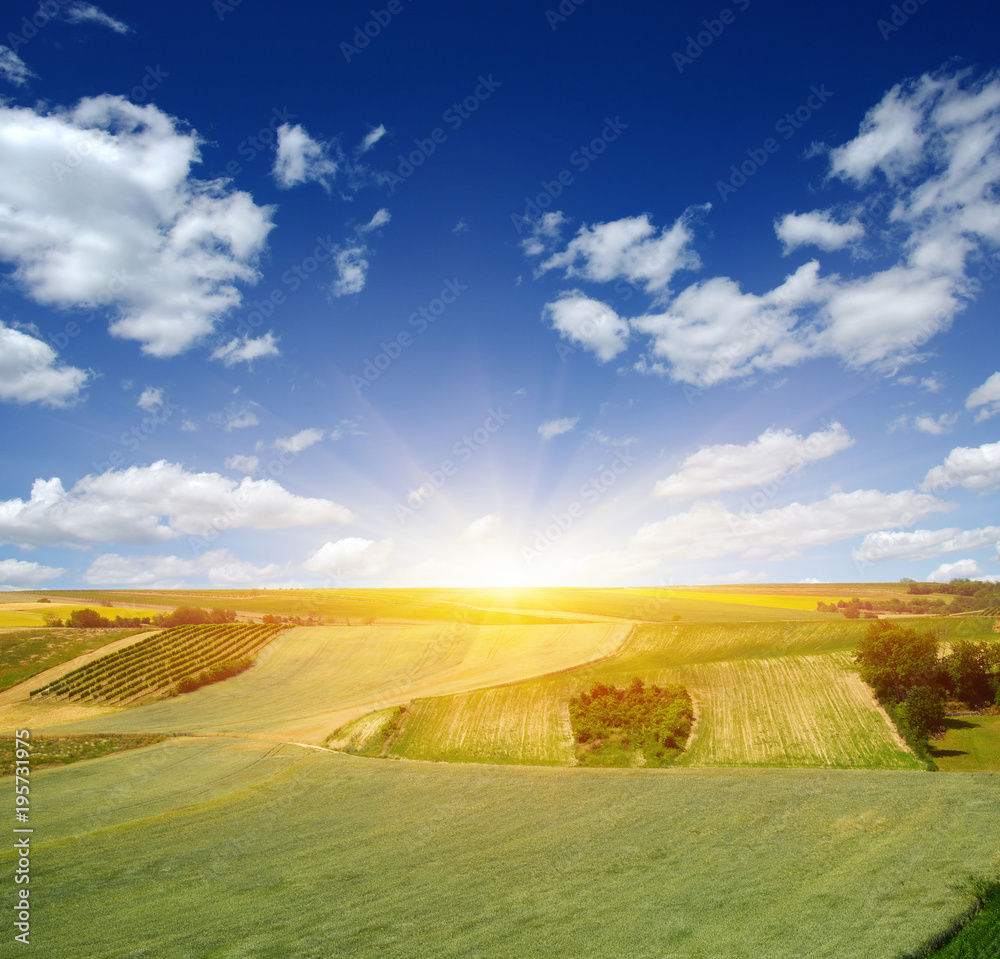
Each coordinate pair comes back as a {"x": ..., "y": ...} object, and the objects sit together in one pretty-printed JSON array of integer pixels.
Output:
[
  {"x": 971, "y": 744},
  {"x": 214, "y": 848},
  {"x": 795, "y": 825}
]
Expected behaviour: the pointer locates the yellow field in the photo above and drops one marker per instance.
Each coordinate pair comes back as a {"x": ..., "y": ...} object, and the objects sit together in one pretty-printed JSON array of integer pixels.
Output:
[
  {"x": 32, "y": 614},
  {"x": 312, "y": 680},
  {"x": 770, "y": 600}
]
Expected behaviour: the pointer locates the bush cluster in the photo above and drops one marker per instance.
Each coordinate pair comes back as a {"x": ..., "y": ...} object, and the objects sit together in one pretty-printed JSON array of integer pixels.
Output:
[
  {"x": 182, "y": 616},
  {"x": 653, "y": 720},
  {"x": 914, "y": 682}
]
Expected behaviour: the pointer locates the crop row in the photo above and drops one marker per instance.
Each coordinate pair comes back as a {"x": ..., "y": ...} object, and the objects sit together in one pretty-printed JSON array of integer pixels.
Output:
[{"x": 158, "y": 665}]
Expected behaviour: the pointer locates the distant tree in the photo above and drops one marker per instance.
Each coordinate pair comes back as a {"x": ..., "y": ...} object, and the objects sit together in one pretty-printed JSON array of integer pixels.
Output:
[
  {"x": 86, "y": 619},
  {"x": 967, "y": 667}
]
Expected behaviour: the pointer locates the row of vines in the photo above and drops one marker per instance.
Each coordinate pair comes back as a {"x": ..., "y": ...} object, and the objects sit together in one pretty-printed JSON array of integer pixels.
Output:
[{"x": 174, "y": 661}]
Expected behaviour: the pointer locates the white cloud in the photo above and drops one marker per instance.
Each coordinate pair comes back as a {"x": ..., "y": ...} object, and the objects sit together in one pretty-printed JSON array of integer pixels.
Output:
[
  {"x": 13, "y": 68},
  {"x": 380, "y": 219},
  {"x": 219, "y": 568},
  {"x": 246, "y": 349},
  {"x": 30, "y": 372},
  {"x": 118, "y": 223},
  {"x": 986, "y": 396},
  {"x": 300, "y": 441},
  {"x": 920, "y": 544},
  {"x": 975, "y": 468},
  {"x": 154, "y": 504},
  {"x": 372, "y": 138},
  {"x": 588, "y": 323},
  {"x": 88, "y": 13},
  {"x": 17, "y": 574},
  {"x": 301, "y": 159},
  {"x": 351, "y": 556},
  {"x": 931, "y": 384},
  {"x": 963, "y": 569},
  {"x": 235, "y": 417},
  {"x": 243, "y": 464},
  {"x": 930, "y": 153},
  {"x": 352, "y": 270},
  {"x": 713, "y": 331},
  {"x": 482, "y": 528},
  {"x": 709, "y": 530},
  {"x": 151, "y": 399},
  {"x": 817, "y": 228},
  {"x": 599, "y": 436},
  {"x": 628, "y": 248},
  {"x": 460, "y": 227},
  {"x": 551, "y": 428},
  {"x": 936, "y": 427},
  {"x": 771, "y": 458}
]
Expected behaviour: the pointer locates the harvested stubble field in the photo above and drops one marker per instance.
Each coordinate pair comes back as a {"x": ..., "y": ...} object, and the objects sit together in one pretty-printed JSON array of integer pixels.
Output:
[{"x": 313, "y": 679}]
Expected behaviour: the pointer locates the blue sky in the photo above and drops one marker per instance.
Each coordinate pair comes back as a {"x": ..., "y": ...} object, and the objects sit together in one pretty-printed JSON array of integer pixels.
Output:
[{"x": 546, "y": 293}]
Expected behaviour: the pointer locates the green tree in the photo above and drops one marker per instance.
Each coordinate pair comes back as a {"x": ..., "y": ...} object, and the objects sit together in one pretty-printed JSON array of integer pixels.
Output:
[{"x": 894, "y": 659}]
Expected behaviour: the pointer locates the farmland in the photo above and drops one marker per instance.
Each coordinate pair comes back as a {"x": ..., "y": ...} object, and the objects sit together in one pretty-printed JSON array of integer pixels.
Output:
[
  {"x": 199, "y": 847},
  {"x": 795, "y": 823}
]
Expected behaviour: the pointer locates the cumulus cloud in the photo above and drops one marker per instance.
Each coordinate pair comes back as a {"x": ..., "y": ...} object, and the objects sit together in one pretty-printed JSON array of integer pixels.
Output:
[
  {"x": 817, "y": 228},
  {"x": 88, "y": 13},
  {"x": 543, "y": 232},
  {"x": 588, "y": 323},
  {"x": 246, "y": 349},
  {"x": 551, "y": 428},
  {"x": 243, "y": 464},
  {"x": 963, "y": 569},
  {"x": 630, "y": 248},
  {"x": 976, "y": 468},
  {"x": 300, "y": 441},
  {"x": 13, "y": 68},
  {"x": 482, "y": 528},
  {"x": 154, "y": 504},
  {"x": 352, "y": 269},
  {"x": 120, "y": 224},
  {"x": 218, "y": 568},
  {"x": 985, "y": 399},
  {"x": 936, "y": 427},
  {"x": 709, "y": 530},
  {"x": 151, "y": 399},
  {"x": 921, "y": 544},
  {"x": 929, "y": 151},
  {"x": 236, "y": 416},
  {"x": 353, "y": 556},
  {"x": 30, "y": 372},
  {"x": 771, "y": 458},
  {"x": 301, "y": 159},
  {"x": 18, "y": 574}
]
